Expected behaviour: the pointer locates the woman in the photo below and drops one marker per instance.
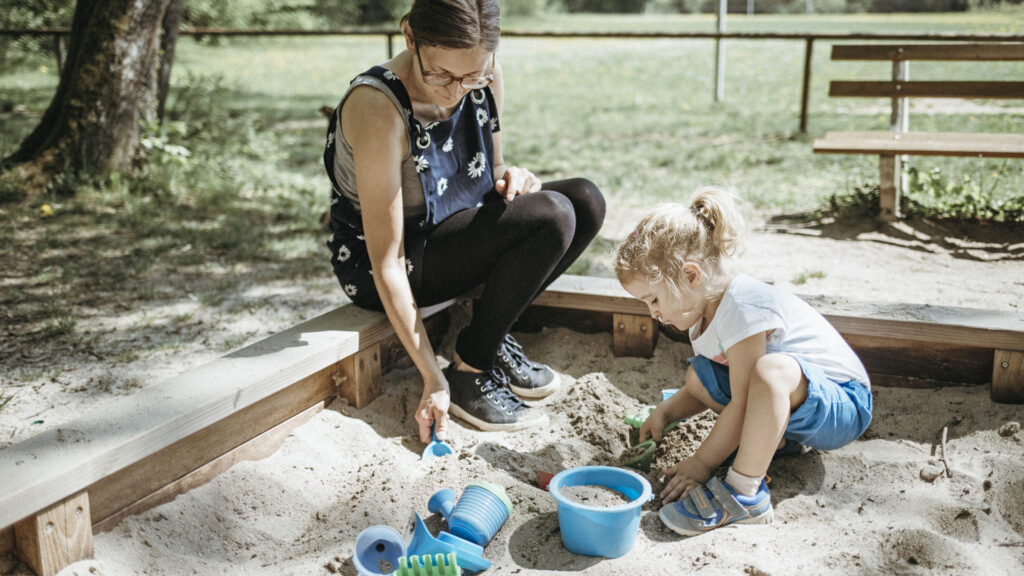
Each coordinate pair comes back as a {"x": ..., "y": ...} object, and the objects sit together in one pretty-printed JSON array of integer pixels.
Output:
[{"x": 424, "y": 209}]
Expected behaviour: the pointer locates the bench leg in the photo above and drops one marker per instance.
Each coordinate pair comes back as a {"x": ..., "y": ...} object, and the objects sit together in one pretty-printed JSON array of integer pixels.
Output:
[
  {"x": 633, "y": 335},
  {"x": 890, "y": 174},
  {"x": 56, "y": 537},
  {"x": 1008, "y": 377},
  {"x": 359, "y": 382}
]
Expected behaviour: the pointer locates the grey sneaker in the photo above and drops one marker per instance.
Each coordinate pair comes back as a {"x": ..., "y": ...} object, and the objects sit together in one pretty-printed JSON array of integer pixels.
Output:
[
  {"x": 527, "y": 378},
  {"x": 484, "y": 400}
]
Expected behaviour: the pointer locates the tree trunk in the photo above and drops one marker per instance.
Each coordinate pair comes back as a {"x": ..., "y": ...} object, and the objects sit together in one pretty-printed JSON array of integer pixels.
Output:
[
  {"x": 168, "y": 42},
  {"x": 107, "y": 88}
]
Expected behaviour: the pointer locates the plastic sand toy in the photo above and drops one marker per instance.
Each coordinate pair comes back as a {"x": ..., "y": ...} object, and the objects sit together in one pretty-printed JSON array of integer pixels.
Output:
[
  {"x": 427, "y": 565},
  {"x": 639, "y": 457},
  {"x": 419, "y": 541}
]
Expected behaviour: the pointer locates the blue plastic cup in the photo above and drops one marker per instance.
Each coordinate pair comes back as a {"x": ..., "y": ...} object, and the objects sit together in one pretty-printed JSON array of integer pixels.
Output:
[
  {"x": 608, "y": 531},
  {"x": 376, "y": 546},
  {"x": 478, "y": 515}
]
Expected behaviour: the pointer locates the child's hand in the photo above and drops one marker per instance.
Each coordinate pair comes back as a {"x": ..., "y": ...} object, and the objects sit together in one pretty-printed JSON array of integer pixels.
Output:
[
  {"x": 655, "y": 424},
  {"x": 685, "y": 476}
]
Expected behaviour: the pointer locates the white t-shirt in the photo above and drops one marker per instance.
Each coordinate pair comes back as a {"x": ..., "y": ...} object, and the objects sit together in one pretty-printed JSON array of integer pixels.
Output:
[{"x": 750, "y": 306}]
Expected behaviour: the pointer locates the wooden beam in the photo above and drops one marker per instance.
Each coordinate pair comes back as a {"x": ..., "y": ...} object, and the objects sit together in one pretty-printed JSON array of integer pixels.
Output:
[
  {"x": 113, "y": 493},
  {"x": 94, "y": 447},
  {"x": 890, "y": 175},
  {"x": 947, "y": 362},
  {"x": 56, "y": 537},
  {"x": 262, "y": 446},
  {"x": 922, "y": 144},
  {"x": 927, "y": 89},
  {"x": 925, "y": 323},
  {"x": 1008, "y": 377},
  {"x": 988, "y": 52},
  {"x": 634, "y": 335},
  {"x": 359, "y": 378}
]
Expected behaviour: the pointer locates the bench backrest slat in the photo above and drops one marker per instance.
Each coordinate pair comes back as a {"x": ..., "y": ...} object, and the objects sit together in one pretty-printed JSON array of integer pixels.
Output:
[
  {"x": 945, "y": 89},
  {"x": 935, "y": 52}
]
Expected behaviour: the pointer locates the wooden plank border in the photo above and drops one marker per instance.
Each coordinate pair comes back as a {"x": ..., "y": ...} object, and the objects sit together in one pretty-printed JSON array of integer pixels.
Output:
[{"x": 145, "y": 449}]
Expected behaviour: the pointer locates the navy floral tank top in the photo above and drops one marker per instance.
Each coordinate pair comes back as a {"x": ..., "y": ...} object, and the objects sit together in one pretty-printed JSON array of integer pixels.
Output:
[{"x": 454, "y": 161}]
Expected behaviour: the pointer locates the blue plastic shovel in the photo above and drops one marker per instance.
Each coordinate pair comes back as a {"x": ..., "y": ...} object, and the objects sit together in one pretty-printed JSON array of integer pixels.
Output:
[{"x": 436, "y": 447}]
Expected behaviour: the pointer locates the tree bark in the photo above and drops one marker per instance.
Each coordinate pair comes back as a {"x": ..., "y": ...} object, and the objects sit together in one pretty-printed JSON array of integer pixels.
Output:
[
  {"x": 168, "y": 43},
  {"x": 107, "y": 88}
]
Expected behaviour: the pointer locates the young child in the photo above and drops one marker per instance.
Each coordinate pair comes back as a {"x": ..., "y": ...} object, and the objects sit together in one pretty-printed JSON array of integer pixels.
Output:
[{"x": 777, "y": 373}]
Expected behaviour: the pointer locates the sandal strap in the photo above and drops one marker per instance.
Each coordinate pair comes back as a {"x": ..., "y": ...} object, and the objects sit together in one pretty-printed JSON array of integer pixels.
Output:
[
  {"x": 726, "y": 500},
  {"x": 702, "y": 504}
]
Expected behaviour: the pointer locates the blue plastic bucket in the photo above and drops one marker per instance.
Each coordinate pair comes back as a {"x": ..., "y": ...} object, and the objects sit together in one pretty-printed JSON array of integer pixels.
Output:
[{"x": 607, "y": 531}]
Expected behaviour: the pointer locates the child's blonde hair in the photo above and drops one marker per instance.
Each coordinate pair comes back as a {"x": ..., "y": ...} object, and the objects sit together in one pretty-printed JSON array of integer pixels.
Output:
[{"x": 673, "y": 234}]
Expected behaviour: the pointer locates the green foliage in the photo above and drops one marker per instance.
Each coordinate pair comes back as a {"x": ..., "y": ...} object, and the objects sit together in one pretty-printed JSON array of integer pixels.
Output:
[
  {"x": 35, "y": 14},
  {"x": 358, "y": 12},
  {"x": 804, "y": 275},
  {"x": 959, "y": 197},
  {"x": 248, "y": 14}
]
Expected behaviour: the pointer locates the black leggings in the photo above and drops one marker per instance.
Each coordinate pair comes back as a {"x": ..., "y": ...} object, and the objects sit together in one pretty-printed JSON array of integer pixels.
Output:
[{"x": 515, "y": 249}]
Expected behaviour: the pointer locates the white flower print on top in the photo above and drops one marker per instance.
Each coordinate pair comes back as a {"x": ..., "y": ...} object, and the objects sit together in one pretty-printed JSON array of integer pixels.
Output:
[
  {"x": 442, "y": 186},
  {"x": 476, "y": 166},
  {"x": 494, "y": 124},
  {"x": 390, "y": 75},
  {"x": 330, "y": 138},
  {"x": 343, "y": 253},
  {"x": 481, "y": 116},
  {"x": 351, "y": 290},
  {"x": 448, "y": 145},
  {"x": 421, "y": 163},
  {"x": 431, "y": 125},
  {"x": 408, "y": 267},
  {"x": 360, "y": 237}
]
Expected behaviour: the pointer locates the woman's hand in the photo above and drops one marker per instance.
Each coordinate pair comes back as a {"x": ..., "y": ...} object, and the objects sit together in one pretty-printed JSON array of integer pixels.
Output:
[
  {"x": 689, "y": 474},
  {"x": 433, "y": 409},
  {"x": 515, "y": 181}
]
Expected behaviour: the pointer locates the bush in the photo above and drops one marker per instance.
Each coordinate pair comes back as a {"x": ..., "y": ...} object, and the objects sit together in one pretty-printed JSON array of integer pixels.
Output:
[{"x": 37, "y": 14}]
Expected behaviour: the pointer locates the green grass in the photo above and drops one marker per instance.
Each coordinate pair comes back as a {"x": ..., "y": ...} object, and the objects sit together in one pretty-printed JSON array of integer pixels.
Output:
[{"x": 635, "y": 116}]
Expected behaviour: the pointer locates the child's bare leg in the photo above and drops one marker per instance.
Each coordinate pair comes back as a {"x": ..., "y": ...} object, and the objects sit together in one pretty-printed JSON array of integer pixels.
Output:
[
  {"x": 692, "y": 399},
  {"x": 777, "y": 387}
]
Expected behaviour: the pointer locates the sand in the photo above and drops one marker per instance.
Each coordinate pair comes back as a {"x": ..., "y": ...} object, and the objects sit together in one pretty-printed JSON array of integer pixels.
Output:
[{"x": 882, "y": 505}]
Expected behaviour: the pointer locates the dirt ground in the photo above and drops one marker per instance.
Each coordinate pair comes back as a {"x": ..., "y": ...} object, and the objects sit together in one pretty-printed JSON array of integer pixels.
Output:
[{"x": 877, "y": 506}]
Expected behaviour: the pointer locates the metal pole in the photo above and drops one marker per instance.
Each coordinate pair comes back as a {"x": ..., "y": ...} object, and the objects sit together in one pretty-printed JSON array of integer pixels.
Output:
[
  {"x": 723, "y": 7},
  {"x": 806, "y": 95},
  {"x": 750, "y": 7},
  {"x": 391, "y": 53}
]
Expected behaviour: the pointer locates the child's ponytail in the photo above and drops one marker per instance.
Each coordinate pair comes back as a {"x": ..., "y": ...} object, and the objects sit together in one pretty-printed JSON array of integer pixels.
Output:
[
  {"x": 705, "y": 232},
  {"x": 716, "y": 210}
]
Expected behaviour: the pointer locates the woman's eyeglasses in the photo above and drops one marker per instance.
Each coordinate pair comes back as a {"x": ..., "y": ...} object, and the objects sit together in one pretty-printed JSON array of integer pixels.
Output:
[{"x": 444, "y": 78}]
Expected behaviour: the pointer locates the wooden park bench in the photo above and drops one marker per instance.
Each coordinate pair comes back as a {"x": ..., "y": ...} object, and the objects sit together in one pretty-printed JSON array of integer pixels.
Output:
[
  {"x": 142, "y": 450},
  {"x": 890, "y": 145}
]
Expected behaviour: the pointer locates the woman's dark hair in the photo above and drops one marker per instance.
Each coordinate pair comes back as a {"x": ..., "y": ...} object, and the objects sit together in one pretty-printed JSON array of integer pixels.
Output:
[{"x": 458, "y": 24}]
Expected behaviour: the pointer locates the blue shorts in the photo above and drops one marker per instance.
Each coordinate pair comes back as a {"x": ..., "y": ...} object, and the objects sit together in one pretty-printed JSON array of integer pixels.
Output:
[{"x": 833, "y": 415}]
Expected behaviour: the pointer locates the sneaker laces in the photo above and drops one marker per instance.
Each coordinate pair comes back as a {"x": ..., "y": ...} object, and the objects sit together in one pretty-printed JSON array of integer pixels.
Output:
[
  {"x": 495, "y": 386},
  {"x": 512, "y": 352}
]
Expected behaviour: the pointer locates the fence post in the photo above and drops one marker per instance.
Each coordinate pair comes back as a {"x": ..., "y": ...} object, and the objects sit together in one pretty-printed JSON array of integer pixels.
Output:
[
  {"x": 58, "y": 46},
  {"x": 806, "y": 95},
  {"x": 391, "y": 53},
  {"x": 723, "y": 8}
]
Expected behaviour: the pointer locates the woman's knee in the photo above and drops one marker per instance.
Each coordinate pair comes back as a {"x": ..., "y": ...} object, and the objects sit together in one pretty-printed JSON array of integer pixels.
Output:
[
  {"x": 553, "y": 215},
  {"x": 588, "y": 201}
]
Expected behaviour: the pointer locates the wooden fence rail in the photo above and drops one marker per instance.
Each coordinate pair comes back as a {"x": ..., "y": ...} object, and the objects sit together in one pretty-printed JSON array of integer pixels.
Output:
[{"x": 59, "y": 33}]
